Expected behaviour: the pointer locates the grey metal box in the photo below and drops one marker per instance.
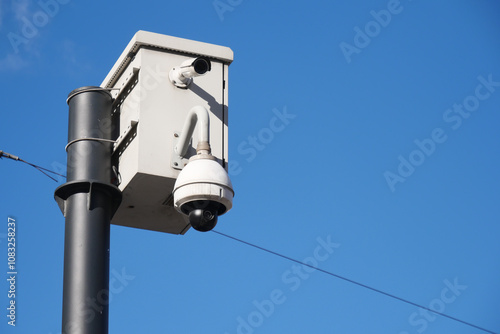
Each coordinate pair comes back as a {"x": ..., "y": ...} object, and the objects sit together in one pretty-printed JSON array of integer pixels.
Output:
[{"x": 148, "y": 115}]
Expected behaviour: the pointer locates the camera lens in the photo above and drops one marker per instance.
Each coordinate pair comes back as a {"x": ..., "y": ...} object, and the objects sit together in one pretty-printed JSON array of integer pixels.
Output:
[
  {"x": 201, "y": 65},
  {"x": 202, "y": 220}
]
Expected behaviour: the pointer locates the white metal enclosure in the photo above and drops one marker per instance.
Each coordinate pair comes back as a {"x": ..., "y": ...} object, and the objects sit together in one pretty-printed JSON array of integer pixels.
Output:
[{"x": 149, "y": 113}]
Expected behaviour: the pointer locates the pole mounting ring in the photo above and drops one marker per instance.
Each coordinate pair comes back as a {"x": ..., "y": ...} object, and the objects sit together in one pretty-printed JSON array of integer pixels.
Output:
[{"x": 91, "y": 139}]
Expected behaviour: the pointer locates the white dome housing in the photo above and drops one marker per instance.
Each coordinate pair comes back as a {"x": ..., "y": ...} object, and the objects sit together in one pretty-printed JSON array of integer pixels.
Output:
[{"x": 203, "y": 180}]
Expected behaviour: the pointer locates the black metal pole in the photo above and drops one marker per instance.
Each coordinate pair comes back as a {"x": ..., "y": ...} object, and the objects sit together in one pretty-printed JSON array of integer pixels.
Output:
[{"x": 88, "y": 201}]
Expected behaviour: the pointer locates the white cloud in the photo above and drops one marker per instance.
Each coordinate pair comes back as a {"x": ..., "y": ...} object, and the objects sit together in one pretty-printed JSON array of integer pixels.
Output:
[
  {"x": 72, "y": 56},
  {"x": 20, "y": 8},
  {"x": 69, "y": 52},
  {"x": 12, "y": 62}
]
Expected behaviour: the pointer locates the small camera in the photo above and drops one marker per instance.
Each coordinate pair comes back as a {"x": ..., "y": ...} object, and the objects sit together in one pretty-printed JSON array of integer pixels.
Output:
[{"x": 182, "y": 76}]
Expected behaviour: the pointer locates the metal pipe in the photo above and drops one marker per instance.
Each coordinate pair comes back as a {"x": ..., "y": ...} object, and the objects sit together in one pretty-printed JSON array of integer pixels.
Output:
[
  {"x": 88, "y": 202},
  {"x": 197, "y": 115}
]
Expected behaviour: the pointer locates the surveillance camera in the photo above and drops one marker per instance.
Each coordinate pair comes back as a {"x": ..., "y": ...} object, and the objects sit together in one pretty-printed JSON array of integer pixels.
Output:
[
  {"x": 203, "y": 214},
  {"x": 182, "y": 76},
  {"x": 203, "y": 191}
]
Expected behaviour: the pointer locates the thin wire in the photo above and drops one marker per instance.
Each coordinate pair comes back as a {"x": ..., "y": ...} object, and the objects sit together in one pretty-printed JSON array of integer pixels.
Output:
[
  {"x": 354, "y": 282},
  {"x": 44, "y": 170},
  {"x": 41, "y": 169}
]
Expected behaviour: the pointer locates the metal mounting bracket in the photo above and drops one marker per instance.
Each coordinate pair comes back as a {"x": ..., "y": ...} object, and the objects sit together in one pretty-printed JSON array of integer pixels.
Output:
[{"x": 179, "y": 162}]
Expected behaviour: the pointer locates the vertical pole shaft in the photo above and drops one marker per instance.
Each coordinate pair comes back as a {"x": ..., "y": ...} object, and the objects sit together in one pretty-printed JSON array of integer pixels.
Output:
[{"x": 88, "y": 202}]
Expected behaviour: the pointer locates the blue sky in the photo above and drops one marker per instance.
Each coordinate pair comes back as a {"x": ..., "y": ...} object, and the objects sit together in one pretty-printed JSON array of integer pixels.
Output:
[{"x": 385, "y": 171}]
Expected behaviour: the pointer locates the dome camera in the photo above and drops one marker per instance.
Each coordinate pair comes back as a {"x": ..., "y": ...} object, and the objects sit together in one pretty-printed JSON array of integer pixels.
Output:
[{"x": 203, "y": 191}]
